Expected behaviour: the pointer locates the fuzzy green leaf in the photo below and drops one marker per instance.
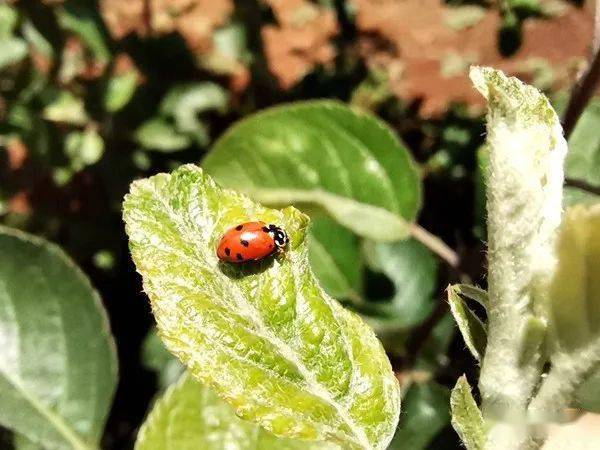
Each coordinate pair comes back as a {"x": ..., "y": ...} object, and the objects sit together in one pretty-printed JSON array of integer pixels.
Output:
[
  {"x": 473, "y": 293},
  {"x": 57, "y": 358},
  {"x": 325, "y": 154},
  {"x": 574, "y": 311},
  {"x": 471, "y": 328},
  {"x": 575, "y": 288},
  {"x": 191, "y": 416},
  {"x": 263, "y": 335},
  {"x": 466, "y": 417}
]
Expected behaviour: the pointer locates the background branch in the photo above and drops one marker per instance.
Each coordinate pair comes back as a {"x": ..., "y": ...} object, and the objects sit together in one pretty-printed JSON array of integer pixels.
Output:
[{"x": 585, "y": 86}]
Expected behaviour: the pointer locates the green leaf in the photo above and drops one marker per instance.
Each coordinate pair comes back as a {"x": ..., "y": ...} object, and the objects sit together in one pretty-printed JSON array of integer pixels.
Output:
[
  {"x": 412, "y": 268},
  {"x": 9, "y": 17},
  {"x": 65, "y": 107},
  {"x": 471, "y": 328},
  {"x": 587, "y": 396},
  {"x": 120, "y": 90},
  {"x": 191, "y": 416},
  {"x": 433, "y": 353},
  {"x": 84, "y": 148},
  {"x": 85, "y": 22},
  {"x": 525, "y": 182},
  {"x": 37, "y": 40},
  {"x": 573, "y": 313},
  {"x": 159, "y": 135},
  {"x": 575, "y": 289},
  {"x": 473, "y": 293},
  {"x": 58, "y": 367},
  {"x": 158, "y": 359},
  {"x": 480, "y": 183},
  {"x": 263, "y": 335},
  {"x": 583, "y": 158},
  {"x": 335, "y": 259},
  {"x": 325, "y": 154},
  {"x": 466, "y": 417},
  {"x": 425, "y": 415},
  {"x": 22, "y": 443},
  {"x": 12, "y": 50},
  {"x": 534, "y": 333},
  {"x": 186, "y": 102}
]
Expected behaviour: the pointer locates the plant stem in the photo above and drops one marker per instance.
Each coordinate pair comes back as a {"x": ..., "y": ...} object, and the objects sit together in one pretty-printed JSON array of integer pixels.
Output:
[
  {"x": 582, "y": 184},
  {"x": 584, "y": 88},
  {"x": 435, "y": 244}
]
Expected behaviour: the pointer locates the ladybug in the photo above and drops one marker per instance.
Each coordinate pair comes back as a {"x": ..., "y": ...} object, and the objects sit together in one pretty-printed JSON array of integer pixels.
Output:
[{"x": 251, "y": 241}]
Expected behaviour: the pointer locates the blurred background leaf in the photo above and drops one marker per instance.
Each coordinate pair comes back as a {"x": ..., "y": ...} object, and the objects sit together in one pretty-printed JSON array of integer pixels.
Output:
[
  {"x": 412, "y": 269},
  {"x": 293, "y": 154},
  {"x": 58, "y": 368},
  {"x": 335, "y": 258},
  {"x": 583, "y": 158}
]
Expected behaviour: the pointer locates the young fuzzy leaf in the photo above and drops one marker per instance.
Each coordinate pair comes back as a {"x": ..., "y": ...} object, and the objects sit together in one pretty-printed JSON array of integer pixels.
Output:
[
  {"x": 58, "y": 367},
  {"x": 471, "y": 328},
  {"x": 575, "y": 288},
  {"x": 473, "y": 293},
  {"x": 524, "y": 206},
  {"x": 466, "y": 417},
  {"x": 263, "y": 335},
  {"x": 324, "y": 154},
  {"x": 574, "y": 319},
  {"x": 191, "y": 416}
]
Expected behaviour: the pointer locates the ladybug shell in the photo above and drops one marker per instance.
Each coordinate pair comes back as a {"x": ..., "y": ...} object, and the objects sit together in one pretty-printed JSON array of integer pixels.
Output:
[{"x": 250, "y": 241}]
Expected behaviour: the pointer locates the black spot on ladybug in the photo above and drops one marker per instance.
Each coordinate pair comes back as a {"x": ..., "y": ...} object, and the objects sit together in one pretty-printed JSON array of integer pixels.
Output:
[
  {"x": 239, "y": 227},
  {"x": 244, "y": 243},
  {"x": 239, "y": 257},
  {"x": 227, "y": 251}
]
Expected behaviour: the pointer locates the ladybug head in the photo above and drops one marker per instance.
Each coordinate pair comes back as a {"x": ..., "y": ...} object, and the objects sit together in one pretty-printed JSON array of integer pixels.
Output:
[{"x": 279, "y": 236}]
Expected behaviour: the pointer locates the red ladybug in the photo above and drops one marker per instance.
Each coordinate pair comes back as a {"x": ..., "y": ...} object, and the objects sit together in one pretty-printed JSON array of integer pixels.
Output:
[{"x": 251, "y": 241}]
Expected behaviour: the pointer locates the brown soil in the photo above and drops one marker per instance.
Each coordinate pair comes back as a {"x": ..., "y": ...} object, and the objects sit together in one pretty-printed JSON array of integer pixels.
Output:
[
  {"x": 434, "y": 58},
  {"x": 300, "y": 40}
]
